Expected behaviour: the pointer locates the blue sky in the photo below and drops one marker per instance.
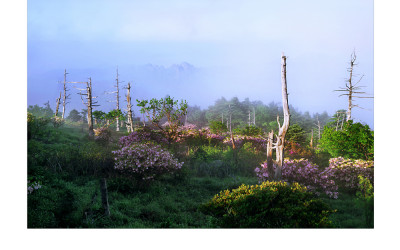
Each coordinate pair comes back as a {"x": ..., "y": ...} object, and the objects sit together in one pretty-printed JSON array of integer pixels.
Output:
[{"x": 240, "y": 40}]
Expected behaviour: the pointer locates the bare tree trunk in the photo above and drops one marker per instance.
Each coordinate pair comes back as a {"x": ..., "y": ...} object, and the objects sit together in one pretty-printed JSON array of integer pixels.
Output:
[
  {"x": 270, "y": 162},
  {"x": 58, "y": 104},
  {"x": 65, "y": 96},
  {"x": 280, "y": 142},
  {"x": 254, "y": 116},
  {"x": 129, "y": 109},
  {"x": 249, "y": 118},
  {"x": 89, "y": 104},
  {"x": 117, "y": 123},
  {"x": 104, "y": 196},
  {"x": 311, "y": 141},
  {"x": 350, "y": 87}
]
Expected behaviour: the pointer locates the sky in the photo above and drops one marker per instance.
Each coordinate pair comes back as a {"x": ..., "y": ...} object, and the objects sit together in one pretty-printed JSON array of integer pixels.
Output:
[{"x": 234, "y": 46}]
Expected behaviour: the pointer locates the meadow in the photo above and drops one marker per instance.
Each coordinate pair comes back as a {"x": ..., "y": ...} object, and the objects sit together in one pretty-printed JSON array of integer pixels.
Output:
[{"x": 66, "y": 166}]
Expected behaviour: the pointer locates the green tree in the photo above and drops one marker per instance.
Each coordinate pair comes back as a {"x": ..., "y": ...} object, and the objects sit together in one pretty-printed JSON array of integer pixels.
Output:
[
  {"x": 218, "y": 127},
  {"x": 296, "y": 134},
  {"x": 45, "y": 111},
  {"x": 74, "y": 116},
  {"x": 168, "y": 108},
  {"x": 355, "y": 141}
]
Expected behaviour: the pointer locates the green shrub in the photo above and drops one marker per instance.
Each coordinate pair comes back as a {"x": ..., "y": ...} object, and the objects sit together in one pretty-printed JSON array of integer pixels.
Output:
[
  {"x": 268, "y": 205},
  {"x": 365, "y": 197}
]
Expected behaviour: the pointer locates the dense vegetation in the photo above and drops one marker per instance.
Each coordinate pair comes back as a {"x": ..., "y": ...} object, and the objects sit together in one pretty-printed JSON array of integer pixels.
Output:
[{"x": 192, "y": 177}]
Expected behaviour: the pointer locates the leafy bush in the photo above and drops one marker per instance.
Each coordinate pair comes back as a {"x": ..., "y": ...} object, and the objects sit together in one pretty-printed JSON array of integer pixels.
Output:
[
  {"x": 297, "y": 151},
  {"x": 57, "y": 121},
  {"x": 145, "y": 160},
  {"x": 355, "y": 141},
  {"x": 268, "y": 205},
  {"x": 36, "y": 125},
  {"x": 305, "y": 173},
  {"x": 102, "y": 135},
  {"x": 249, "y": 131},
  {"x": 365, "y": 196},
  {"x": 218, "y": 127}
]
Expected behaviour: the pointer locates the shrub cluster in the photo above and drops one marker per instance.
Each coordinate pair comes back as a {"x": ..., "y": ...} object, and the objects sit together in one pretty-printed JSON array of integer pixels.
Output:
[
  {"x": 268, "y": 205},
  {"x": 342, "y": 174},
  {"x": 102, "y": 135},
  {"x": 306, "y": 173},
  {"x": 145, "y": 160},
  {"x": 346, "y": 172}
]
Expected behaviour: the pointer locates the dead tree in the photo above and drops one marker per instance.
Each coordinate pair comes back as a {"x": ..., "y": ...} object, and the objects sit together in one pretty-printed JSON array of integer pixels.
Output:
[
  {"x": 318, "y": 124},
  {"x": 254, "y": 116},
  {"x": 312, "y": 137},
  {"x": 65, "y": 96},
  {"x": 89, "y": 103},
  {"x": 129, "y": 123},
  {"x": 270, "y": 162},
  {"x": 116, "y": 99},
  {"x": 352, "y": 90},
  {"x": 280, "y": 139},
  {"x": 57, "y": 105}
]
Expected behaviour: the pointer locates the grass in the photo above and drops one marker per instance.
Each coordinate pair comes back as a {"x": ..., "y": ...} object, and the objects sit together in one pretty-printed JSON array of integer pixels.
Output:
[{"x": 70, "y": 196}]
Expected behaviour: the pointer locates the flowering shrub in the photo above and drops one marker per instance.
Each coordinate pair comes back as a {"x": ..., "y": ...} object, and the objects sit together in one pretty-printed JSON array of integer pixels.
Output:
[
  {"x": 146, "y": 161},
  {"x": 341, "y": 173},
  {"x": 268, "y": 205},
  {"x": 142, "y": 136},
  {"x": 33, "y": 186},
  {"x": 346, "y": 172},
  {"x": 192, "y": 136},
  {"x": 306, "y": 173}
]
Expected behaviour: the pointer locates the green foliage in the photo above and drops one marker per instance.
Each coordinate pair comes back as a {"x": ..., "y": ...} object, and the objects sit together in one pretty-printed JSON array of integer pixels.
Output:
[
  {"x": 268, "y": 205},
  {"x": 74, "y": 116},
  {"x": 166, "y": 108},
  {"x": 45, "y": 111},
  {"x": 36, "y": 125},
  {"x": 365, "y": 196},
  {"x": 296, "y": 134},
  {"x": 218, "y": 127},
  {"x": 249, "y": 131},
  {"x": 355, "y": 141}
]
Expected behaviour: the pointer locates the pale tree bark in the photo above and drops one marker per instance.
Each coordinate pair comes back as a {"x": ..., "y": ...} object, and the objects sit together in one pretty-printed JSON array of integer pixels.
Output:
[
  {"x": 280, "y": 142},
  {"x": 270, "y": 162},
  {"x": 89, "y": 103},
  {"x": 254, "y": 116},
  {"x": 65, "y": 96},
  {"x": 117, "y": 95},
  {"x": 90, "y": 106},
  {"x": 351, "y": 89},
  {"x": 57, "y": 105},
  {"x": 129, "y": 109},
  {"x": 312, "y": 137}
]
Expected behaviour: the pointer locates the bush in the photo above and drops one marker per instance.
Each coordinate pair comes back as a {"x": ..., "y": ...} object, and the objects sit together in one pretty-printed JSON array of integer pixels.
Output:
[
  {"x": 305, "y": 173},
  {"x": 365, "y": 196},
  {"x": 218, "y": 127},
  {"x": 346, "y": 172},
  {"x": 102, "y": 135},
  {"x": 268, "y": 205},
  {"x": 146, "y": 161},
  {"x": 355, "y": 141}
]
